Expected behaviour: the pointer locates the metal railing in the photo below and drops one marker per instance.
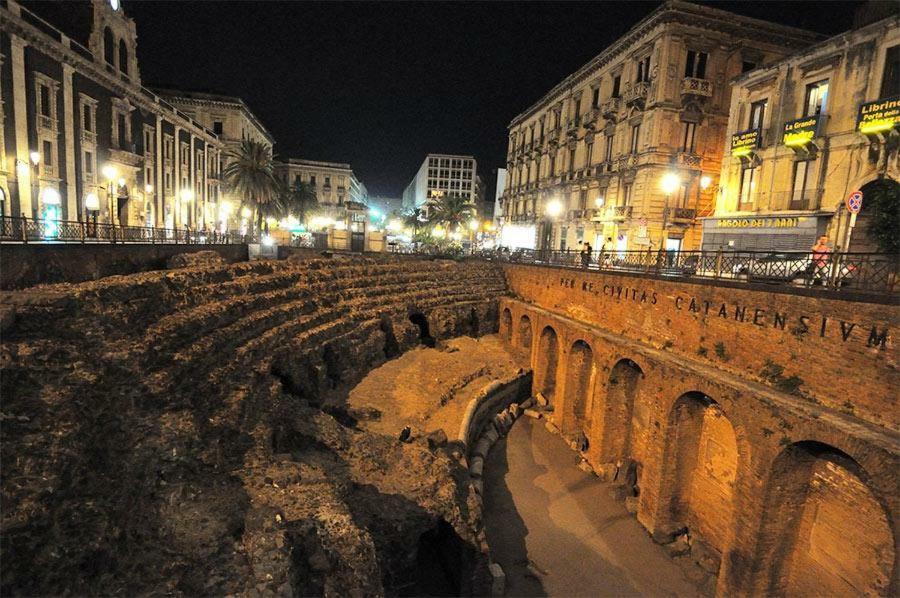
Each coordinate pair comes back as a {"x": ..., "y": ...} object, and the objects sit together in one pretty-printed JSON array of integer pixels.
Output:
[
  {"x": 15, "y": 229},
  {"x": 877, "y": 273}
]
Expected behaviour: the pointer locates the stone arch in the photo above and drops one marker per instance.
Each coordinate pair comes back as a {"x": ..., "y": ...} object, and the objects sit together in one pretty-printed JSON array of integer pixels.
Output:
[
  {"x": 547, "y": 362},
  {"x": 577, "y": 404},
  {"x": 701, "y": 452},
  {"x": 525, "y": 337},
  {"x": 621, "y": 390},
  {"x": 421, "y": 322},
  {"x": 862, "y": 240},
  {"x": 109, "y": 46},
  {"x": 506, "y": 325},
  {"x": 824, "y": 532},
  {"x": 123, "y": 57}
]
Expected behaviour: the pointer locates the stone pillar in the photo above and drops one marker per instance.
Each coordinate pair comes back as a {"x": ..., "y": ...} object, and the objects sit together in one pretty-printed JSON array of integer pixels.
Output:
[
  {"x": 20, "y": 117},
  {"x": 176, "y": 178},
  {"x": 192, "y": 181},
  {"x": 72, "y": 211},
  {"x": 160, "y": 197}
]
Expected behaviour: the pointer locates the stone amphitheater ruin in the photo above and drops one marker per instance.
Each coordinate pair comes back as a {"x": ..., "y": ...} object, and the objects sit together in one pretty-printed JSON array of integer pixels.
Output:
[{"x": 233, "y": 428}]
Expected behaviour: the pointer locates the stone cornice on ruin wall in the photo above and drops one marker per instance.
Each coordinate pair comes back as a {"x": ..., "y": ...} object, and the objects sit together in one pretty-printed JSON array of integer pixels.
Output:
[
  {"x": 14, "y": 24},
  {"x": 681, "y": 13}
]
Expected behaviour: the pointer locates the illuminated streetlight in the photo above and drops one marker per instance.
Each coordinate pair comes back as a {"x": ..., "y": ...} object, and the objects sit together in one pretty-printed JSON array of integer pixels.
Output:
[
  {"x": 670, "y": 182},
  {"x": 110, "y": 172},
  {"x": 148, "y": 188},
  {"x": 245, "y": 213},
  {"x": 705, "y": 182},
  {"x": 35, "y": 157},
  {"x": 599, "y": 201},
  {"x": 50, "y": 196},
  {"x": 473, "y": 225},
  {"x": 554, "y": 208},
  {"x": 187, "y": 195},
  {"x": 92, "y": 202}
]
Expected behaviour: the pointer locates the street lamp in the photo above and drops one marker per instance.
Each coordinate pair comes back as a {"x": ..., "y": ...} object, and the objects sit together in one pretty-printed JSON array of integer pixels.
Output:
[
  {"x": 186, "y": 195},
  {"x": 92, "y": 205},
  {"x": 110, "y": 173},
  {"x": 705, "y": 182},
  {"x": 34, "y": 160},
  {"x": 670, "y": 183},
  {"x": 553, "y": 208}
]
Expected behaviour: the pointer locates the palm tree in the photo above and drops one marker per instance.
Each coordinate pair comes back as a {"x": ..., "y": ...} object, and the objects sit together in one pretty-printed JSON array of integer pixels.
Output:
[
  {"x": 250, "y": 175},
  {"x": 300, "y": 200},
  {"x": 452, "y": 211}
]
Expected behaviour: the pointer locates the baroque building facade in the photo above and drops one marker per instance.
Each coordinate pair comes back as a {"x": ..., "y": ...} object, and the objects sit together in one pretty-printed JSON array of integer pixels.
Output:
[
  {"x": 82, "y": 140},
  {"x": 587, "y": 161},
  {"x": 805, "y": 133}
]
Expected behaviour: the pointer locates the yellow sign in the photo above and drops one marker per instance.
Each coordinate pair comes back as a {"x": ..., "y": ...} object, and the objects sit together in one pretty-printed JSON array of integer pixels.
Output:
[
  {"x": 743, "y": 143},
  {"x": 758, "y": 222},
  {"x": 880, "y": 116},
  {"x": 801, "y": 131}
]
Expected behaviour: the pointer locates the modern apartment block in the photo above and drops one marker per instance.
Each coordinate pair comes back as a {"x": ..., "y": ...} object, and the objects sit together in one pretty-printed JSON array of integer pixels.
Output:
[
  {"x": 630, "y": 146},
  {"x": 440, "y": 175},
  {"x": 81, "y": 138},
  {"x": 805, "y": 133}
]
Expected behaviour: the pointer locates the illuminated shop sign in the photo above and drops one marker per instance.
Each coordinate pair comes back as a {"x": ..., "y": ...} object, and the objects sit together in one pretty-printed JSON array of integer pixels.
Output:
[
  {"x": 880, "y": 116},
  {"x": 743, "y": 143},
  {"x": 758, "y": 222},
  {"x": 799, "y": 132}
]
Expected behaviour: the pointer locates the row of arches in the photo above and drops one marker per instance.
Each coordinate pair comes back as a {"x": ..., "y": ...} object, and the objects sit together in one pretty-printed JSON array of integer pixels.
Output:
[{"x": 813, "y": 527}]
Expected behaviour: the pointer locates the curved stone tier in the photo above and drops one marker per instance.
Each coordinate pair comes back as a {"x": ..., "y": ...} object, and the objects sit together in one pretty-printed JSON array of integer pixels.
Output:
[{"x": 182, "y": 431}]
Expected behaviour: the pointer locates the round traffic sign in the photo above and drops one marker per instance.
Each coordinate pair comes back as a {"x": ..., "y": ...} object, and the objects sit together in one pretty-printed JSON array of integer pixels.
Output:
[{"x": 854, "y": 202}]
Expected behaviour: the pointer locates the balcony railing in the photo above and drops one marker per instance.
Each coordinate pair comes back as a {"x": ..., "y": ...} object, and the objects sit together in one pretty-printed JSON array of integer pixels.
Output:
[
  {"x": 46, "y": 122},
  {"x": 679, "y": 215},
  {"x": 868, "y": 273},
  {"x": 690, "y": 159},
  {"x": 637, "y": 94},
  {"x": 14, "y": 229},
  {"x": 610, "y": 108},
  {"x": 622, "y": 212},
  {"x": 697, "y": 87},
  {"x": 589, "y": 120}
]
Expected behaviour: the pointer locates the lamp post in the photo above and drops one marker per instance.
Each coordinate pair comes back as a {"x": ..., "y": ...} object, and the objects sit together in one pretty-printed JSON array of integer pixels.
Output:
[
  {"x": 34, "y": 159},
  {"x": 670, "y": 183},
  {"x": 92, "y": 205},
  {"x": 110, "y": 173},
  {"x": 552, "y": 210},
  {"x": 186, "y": 195}
]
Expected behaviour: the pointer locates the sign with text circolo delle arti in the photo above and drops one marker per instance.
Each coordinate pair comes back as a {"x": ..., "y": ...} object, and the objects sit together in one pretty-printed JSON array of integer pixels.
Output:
[
  {"x": 743, "y": 143},
  {"x": 799, "y": 132},
  {"x": 879, "y": 116}
]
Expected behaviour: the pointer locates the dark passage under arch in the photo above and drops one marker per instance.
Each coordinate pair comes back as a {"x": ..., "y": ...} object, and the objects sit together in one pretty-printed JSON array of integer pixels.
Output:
[{"x": 419, "y": 319}]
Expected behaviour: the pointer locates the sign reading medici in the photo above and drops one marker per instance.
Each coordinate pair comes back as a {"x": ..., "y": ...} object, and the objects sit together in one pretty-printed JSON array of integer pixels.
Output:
[{"x": 879, "y": 116}]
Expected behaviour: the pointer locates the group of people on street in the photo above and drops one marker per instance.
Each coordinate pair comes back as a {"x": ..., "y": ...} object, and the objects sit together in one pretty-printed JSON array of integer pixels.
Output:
[{"x": 587, "y": 250}]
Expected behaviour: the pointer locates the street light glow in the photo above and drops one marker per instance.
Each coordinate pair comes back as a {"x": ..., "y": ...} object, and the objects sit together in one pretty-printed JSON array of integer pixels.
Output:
[
  {"x": 599, "y": 201},
  {"x": 554, "y": 208},
  {"x": 705, "y": 182},
  {"x": 110, "y": 172},
  {"x": 50, "y": 196},
  {"x": 187, "y": 195},
  {"x": 121, "y": 181},
  {"x": 148, "y": 188},
  {"x": 35, "y": 157},
  {"x": 670, "y": 182},
  {"x": 92, "y": 202},
  {"x": 473, "y": 224}
]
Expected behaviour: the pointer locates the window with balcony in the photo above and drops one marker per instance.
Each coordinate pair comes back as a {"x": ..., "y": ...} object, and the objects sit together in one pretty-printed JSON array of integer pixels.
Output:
[
  {"x": 616, "y": 86},
  {"x": 748, "y": 184},
  {"x": 577, "y": 108},
  {"x": 588, "y": 154},
  {"x": 687, "y": 141},
  {"x": 799, "y": 192},
  {"x": 890, "y": 78},
  {"x": 635, "y": 137},
  {"x": 643, "y": 70},
  {"x": 88, "y": 166},
  {"x": 695, "y": 65},
  {"x": 608, "y": 156},
  {"x": 571, "y": 160},
  {"x": 149, "y": 141},
  {"x": 595, "y": 97},
  {"x": 816, "y": 98},
  {"x": 757, "y": 114},
  {"x": 626, "y": 194}
]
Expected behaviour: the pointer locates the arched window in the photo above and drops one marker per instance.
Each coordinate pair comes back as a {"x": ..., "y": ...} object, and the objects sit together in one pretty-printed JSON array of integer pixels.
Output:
[
  {"x": 123, "y": 57},
  {"x": 109, "y": 46}
]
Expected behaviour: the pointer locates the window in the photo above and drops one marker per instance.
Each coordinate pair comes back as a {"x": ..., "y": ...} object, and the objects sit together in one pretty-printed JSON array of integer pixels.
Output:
[
  {"x": 217, "y": 127},
  {"x": 695, "y": 65},
  {"x": 588, "y": 153},
  {"x": 553, "y": 163},
  {"x": 168, "y": 147},
  {"x": 635, "y": 137},
  {"x": 747, "y": 66},
  {"x": 149, "y": 144},
  {"x": 577, "y": 109},
  {"x": 617, "y": 83},
  {"x": 746, "y": 191},
  {"x": 609, "y": 148},
  {"x": 798, "y": 186},
  {"x": 123, "y": 57},
  {"x": 47, "y": 154},
  {"x": 757, "y": 114},
  {"x": 582, "y": 201},
  {"x": 121, "y": 130},
  {"x": 816, "y": 96},
  {"x": 687, "y": 143},
  {"x": 890, "y": 80},
  {"x": 184, "y": 154},
  {"x": 556, "y": 119},
  {"x": 89, "y": 166},
  {"x": 312, "y": 180},
  {"x": 542, "y": 131},
  {"x": 44, "y": 102},
  {"x": 168, "y": 179},
  {"x": 643, "y": 70},
  {"x": 595, "y": 98},
  {"x": 571, "y": 160},
  {"x": 109, "y": 46},
  {"x": 626, "y": 194}
]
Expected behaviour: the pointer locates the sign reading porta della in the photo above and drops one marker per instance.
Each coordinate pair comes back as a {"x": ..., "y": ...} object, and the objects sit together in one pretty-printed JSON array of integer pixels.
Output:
[{"x": 877, "y": 117}]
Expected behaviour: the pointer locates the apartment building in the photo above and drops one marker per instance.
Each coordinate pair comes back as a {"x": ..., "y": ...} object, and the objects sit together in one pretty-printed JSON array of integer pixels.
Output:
[
  {"x": 804, "y": 134},
  {"x": 629, "y": 147},
  {"x": 440, "y": 175},
  {"x": 81, "y": 139}
]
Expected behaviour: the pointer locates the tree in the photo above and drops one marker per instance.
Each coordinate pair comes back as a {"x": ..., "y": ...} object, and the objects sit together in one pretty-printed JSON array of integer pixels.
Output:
[
  {"x": 250, "y": 175},
  {"x": 300, "y": 200},
  {"x": 882, "y": 201},
  {"x": 452, "y": 211}
]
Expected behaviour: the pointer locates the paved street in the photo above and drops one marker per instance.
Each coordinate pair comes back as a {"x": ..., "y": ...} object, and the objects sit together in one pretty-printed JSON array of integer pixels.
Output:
[{"x": 540, "y": 508}]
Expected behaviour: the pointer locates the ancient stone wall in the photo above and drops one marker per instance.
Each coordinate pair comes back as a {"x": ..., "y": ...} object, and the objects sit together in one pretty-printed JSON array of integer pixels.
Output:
[
  {"x": 183, "y": 431},
  {"x": 773, "y": 486}
]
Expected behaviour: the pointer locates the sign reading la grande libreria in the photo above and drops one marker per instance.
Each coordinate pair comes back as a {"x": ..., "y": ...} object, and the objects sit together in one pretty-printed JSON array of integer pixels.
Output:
[
  {"x": 799, "y": 132},
  {"x": 879, "y": 116}
]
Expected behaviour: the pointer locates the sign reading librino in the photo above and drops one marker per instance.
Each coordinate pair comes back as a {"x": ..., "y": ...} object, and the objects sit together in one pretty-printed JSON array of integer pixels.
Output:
[
  {"x": 743, "y": 143},
  {"x": 878, "y": 117},
  {"x": 799, "y": 132}
]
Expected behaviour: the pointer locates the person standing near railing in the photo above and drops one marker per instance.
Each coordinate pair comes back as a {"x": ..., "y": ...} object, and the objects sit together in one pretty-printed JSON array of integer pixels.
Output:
[
  {"x": 585, "y": 254},
  {"x": 821, "y": 256}
]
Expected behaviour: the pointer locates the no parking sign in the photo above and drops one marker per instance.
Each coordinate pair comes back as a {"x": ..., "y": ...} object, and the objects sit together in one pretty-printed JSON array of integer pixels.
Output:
[{"x": 854, "y": 202}]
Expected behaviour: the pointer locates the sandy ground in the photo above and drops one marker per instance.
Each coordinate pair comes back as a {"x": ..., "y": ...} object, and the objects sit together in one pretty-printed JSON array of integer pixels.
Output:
[
  {"x": 541, "y": 509},
  {"x": 429, "y": 389}
]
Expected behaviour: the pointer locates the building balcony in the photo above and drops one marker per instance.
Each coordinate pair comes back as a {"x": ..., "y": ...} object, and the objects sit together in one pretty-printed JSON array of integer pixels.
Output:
[
  {"x": 690, "y": 160},
  {"x": 621, "y": 212},
  {"x": 573, "y": 125},
  {"x": 696, "y": 87},
  {"x": 610, "y": 108},
  {"x": 637, "y": 94},
  {"x": 578, "y": 214},
  {"x": 553, "y": 135},
  {"x": 626, "y": 161},
  {"x": 127, "y": 157},
  {"x": 89, "y": 137},
  {"x": 589, "y": 120},
  {"x": 46, "y": 122},
  {"x": 603, "y": 167},
  {"x": 682, "y": 215}
]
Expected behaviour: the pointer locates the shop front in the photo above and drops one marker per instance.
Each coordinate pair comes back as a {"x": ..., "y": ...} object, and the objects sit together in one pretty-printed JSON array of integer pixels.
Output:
[{"x": 784, "y": 232}]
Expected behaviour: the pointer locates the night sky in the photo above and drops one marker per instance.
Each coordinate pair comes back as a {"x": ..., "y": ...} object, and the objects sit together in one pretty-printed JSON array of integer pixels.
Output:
[{"x": 379, "y": 85}]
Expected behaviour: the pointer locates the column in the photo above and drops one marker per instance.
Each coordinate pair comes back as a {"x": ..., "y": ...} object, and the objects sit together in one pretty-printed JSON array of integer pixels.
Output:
[
  {"x": 192, "y": 181},
  {"x": 176, "y": 178},
  {"x": 160, "y": 197},
  {"x": 72, "y": 211},
  {"x": 20, "y": 118}
]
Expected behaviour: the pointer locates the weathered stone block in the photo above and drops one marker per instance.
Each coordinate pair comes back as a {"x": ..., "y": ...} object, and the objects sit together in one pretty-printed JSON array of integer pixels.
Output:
[
  {"x": 476, "y": 466},
  {"x": 437, "y": 439},
  {"x": 532, "y": 413},
  {"x": 203, "y": 258},
  {"x": 498, "y": 580}
]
